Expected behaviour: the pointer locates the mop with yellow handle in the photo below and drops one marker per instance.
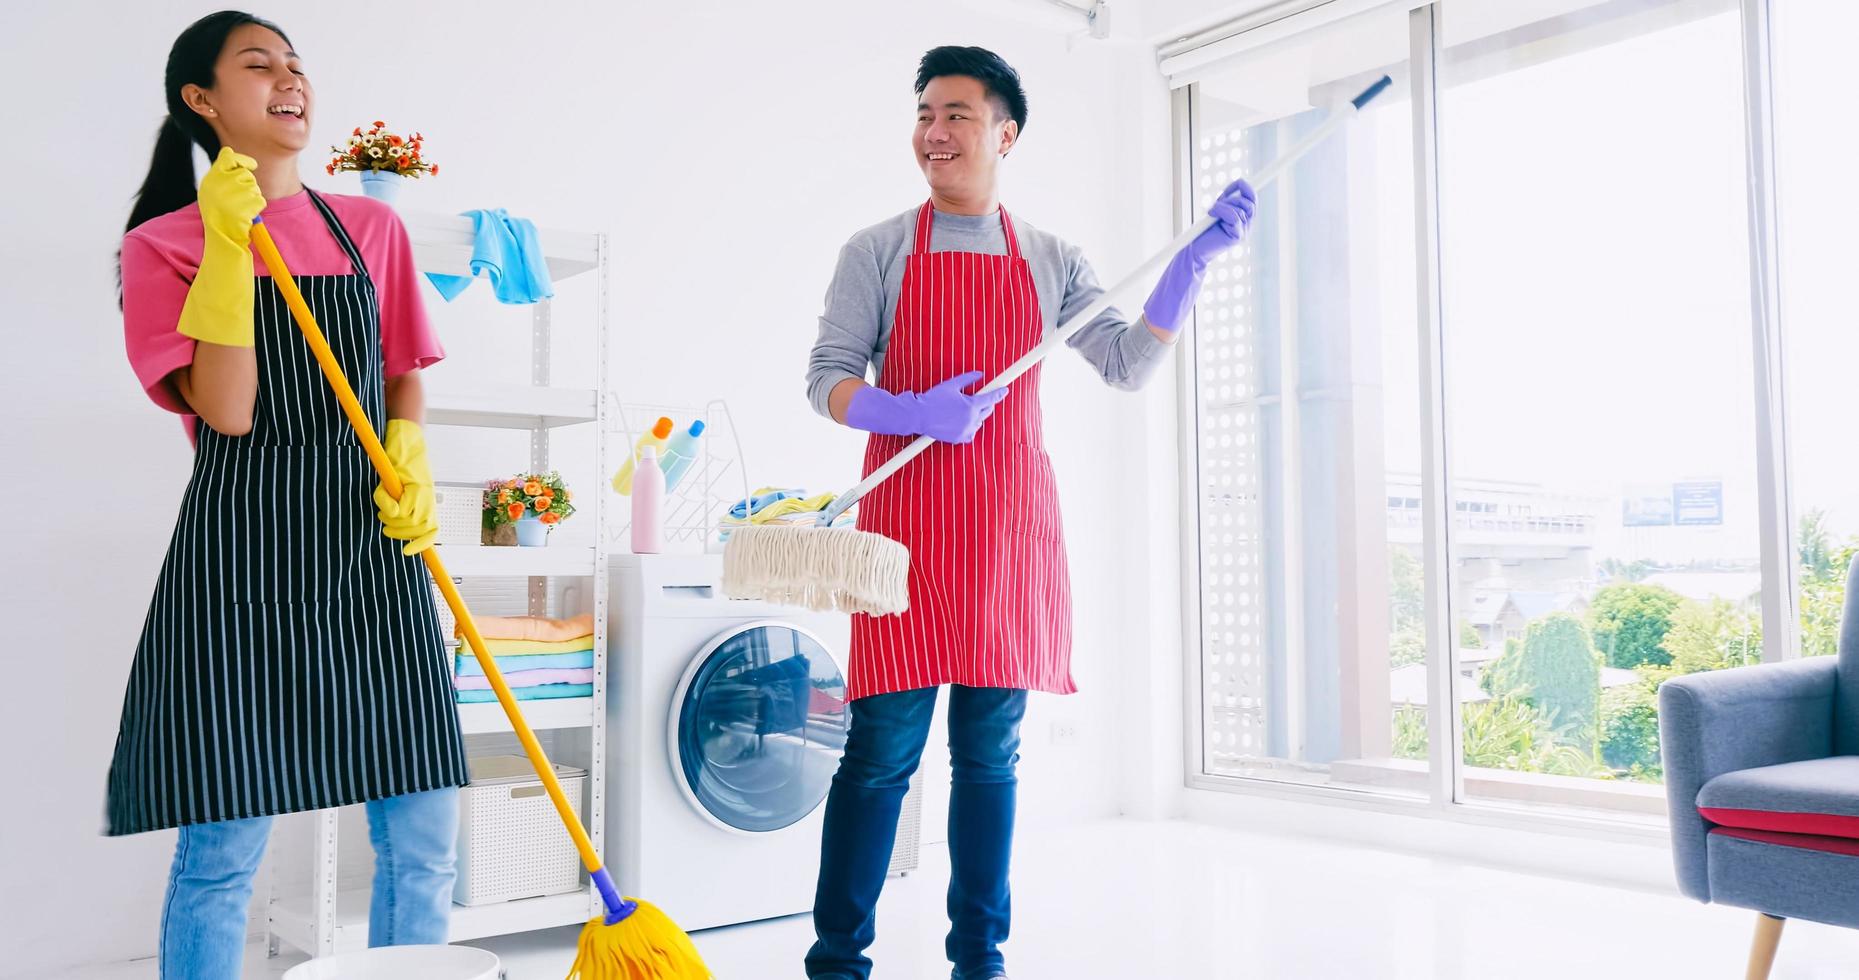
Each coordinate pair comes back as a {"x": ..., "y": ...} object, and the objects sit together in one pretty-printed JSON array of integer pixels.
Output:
[
  {"x": 825, "y": 568},
  {"x": 633, "y": 940}
]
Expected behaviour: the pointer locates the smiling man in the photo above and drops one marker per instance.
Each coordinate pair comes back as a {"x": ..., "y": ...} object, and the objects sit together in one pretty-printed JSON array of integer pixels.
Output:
[{"x": 935, "y": 301}]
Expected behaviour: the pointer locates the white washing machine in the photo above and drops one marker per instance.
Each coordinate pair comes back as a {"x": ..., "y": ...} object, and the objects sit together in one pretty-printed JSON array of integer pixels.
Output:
[{"x": 726, "y": 721}]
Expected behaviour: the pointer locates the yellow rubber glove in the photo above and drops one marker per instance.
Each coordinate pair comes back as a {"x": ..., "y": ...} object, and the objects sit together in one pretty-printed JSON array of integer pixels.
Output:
[
  {"x": 219, "y": 303},
  {"x": 413, "y": 518}
]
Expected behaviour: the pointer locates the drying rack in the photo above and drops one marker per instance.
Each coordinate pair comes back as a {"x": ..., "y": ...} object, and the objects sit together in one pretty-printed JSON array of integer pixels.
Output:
[{"x": 693, "y": 511}]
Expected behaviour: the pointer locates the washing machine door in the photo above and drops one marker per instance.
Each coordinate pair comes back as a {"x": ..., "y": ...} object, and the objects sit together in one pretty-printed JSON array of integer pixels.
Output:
[{"x": 758, "y": 725}]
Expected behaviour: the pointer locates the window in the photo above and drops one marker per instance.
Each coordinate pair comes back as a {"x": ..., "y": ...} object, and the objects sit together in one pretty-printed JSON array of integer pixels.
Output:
[
  {"x": 1595, "y": 279},
  {"x": 1820, "y": 300},
  {"x": 1307, "y": 418},
  {"x": 1599, "y": 430}
]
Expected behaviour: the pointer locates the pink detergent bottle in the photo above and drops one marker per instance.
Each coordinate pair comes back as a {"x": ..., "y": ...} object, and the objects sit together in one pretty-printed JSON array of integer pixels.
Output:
[{"x": 648, "y": 503}]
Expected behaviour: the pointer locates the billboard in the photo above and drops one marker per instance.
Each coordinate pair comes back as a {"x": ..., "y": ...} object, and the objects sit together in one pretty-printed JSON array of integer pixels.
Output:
[
  {"x": 1647, "y": 507},
  {"x": 1694, "y": 503},
  {"x": 1698, "y": 504}
]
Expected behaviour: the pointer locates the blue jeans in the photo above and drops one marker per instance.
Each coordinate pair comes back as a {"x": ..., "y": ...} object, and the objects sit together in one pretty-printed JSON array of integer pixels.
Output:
[
  {"x": 883, "y": 747},
  {"x": 210, "y": 886}
]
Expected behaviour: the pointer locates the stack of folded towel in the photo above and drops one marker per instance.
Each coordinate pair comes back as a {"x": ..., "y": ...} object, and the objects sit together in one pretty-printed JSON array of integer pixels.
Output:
[{"x": 539, "y": 658}]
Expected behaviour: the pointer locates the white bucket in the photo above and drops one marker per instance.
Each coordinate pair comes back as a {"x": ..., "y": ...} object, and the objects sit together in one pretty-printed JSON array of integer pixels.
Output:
[{"x": 403, "y": 963}]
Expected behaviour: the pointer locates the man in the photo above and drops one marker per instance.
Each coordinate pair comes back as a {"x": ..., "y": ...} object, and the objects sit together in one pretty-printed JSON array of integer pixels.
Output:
[{"x": 937, "y": 300}]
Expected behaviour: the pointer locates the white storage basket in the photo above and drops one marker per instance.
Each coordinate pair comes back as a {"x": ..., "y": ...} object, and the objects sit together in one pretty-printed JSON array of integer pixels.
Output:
[
  {"x": 510, "y": 841},
  {"x": 460, "y": 507}
]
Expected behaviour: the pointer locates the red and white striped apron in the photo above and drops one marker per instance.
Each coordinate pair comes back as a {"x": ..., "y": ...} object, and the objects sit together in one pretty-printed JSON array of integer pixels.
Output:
[{"x": 990, "y": 594}]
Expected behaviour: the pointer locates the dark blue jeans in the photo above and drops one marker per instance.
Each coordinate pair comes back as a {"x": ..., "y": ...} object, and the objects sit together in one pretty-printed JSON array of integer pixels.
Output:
[{"x": 883, "y": 747}]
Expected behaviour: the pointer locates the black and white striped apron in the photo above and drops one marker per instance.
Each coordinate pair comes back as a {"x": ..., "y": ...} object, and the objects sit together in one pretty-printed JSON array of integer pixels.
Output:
[{"x": 292, "y": 658}]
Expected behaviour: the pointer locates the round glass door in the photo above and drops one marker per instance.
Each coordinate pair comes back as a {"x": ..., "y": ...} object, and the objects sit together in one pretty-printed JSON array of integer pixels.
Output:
[{"x": 759, "y": 725}]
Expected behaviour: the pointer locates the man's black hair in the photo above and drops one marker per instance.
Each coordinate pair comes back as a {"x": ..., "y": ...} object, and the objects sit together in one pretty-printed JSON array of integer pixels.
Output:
[{"x": 996, "y": 76}]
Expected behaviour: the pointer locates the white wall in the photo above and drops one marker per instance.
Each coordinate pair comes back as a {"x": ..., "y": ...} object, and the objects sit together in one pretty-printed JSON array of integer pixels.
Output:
[{"x": 729, "y": 148}]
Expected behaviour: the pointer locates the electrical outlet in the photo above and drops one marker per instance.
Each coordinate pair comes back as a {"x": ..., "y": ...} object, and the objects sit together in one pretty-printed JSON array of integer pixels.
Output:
[{"x": 1064, "y": 732}]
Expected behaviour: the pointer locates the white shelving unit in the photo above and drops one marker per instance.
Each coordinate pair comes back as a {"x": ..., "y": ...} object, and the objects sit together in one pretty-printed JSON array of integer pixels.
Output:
[
  {"x": 326, "y": 918},
  {"x": 511, "y": 406},
  {"x": 467, "y": 561}
]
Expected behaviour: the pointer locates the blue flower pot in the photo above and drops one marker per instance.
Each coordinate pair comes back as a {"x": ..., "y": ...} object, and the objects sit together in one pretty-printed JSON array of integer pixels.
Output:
[
  {"x": 382, "y": 185},
  {"x": 530, "y": 532}
]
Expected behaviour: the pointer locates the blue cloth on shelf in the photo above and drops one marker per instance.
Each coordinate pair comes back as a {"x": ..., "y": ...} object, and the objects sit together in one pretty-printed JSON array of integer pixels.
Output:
[
  {"x": 546, "y": 692},
  {"x": 468, "y": 665},
  {"x": 508, "y": 251}
]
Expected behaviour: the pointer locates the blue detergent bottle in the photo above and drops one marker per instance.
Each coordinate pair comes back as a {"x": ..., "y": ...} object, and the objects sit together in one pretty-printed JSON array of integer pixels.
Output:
[{"x": 680, "y": 453}]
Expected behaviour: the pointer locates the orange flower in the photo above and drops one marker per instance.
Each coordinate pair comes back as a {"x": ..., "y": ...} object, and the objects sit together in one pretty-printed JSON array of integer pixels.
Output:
[
  {"x": 435, "y": 170},
  {"x": 515, "y": 511},
  {"x": 378, "y": 124},
  {"x": 532, "y": 488},
  {"x": 550, "y": 518},
  {"x": 358, "y": 130},
  {"x": 394, "y": 141},
  {"x": 402, "y": 161},
  {"x": 509, "y": 484},
  {"x": 503, "y": 496},
  {"x": 356, "y": 152},
  {"x": 330, "y": 169},
  {"x": 543, "y": 502}
]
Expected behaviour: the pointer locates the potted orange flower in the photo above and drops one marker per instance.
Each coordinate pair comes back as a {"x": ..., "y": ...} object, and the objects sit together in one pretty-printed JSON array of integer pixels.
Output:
[
  {"x": 383, "y": 159},
  {"x": 533, "y": 503}
]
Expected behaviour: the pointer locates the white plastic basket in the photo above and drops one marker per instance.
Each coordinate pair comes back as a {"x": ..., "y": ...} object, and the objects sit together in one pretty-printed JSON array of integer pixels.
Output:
[
  {"x": 510, "y": 840},
  {"x": 460, "y": 507}
]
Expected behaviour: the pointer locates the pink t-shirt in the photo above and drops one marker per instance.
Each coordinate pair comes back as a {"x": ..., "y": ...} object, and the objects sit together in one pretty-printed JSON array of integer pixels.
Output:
[{"x": 161, "y": 255}]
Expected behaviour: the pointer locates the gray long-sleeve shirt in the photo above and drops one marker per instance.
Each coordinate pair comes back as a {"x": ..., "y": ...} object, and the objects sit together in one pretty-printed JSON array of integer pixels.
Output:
[{"x": 861, "y": 303}]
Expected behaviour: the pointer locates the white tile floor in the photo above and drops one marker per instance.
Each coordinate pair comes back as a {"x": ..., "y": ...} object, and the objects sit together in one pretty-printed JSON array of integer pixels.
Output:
[{"x": 1135, "y": 901}]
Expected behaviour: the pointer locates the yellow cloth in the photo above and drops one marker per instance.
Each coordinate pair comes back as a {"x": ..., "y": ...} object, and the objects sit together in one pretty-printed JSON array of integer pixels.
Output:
[
  {"x": 785, "y": 508},
  {"x": 413, "y": 518},
  {"x": 517, "y": 648},
  {"x": 532, "y": 628},
  {"x": 218, "y": 308}
]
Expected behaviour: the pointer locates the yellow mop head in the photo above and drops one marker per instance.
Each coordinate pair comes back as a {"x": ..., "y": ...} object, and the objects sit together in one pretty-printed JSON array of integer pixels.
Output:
[
  {"x": 821, "y": 568},
  {"x": 645, "y": 945}
]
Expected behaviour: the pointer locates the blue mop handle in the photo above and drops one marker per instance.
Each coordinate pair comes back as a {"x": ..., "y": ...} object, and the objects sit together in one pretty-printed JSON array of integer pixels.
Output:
[
  {"x": 1144, "y": 273},
  {"x": 618, "y": 908}
]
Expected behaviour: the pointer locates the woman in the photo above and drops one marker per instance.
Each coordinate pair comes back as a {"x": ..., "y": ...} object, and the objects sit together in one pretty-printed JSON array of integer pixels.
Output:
[{"x": 291, "y": 659}]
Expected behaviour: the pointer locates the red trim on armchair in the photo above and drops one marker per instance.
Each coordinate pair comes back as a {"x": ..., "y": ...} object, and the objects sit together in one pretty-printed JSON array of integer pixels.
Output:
[
  {"x": 1780, "y": 821},
  {"x": 1831, "y": 845}
]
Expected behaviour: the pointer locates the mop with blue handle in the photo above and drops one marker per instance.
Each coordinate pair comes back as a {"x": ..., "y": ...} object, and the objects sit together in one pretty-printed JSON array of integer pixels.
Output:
[
  {"x": 823, "y": 567},
  {"x": 633, "y": 940}
]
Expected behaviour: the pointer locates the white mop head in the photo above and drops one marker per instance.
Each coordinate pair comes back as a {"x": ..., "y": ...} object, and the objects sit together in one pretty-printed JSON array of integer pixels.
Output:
[{"x": 821, "y": 568}]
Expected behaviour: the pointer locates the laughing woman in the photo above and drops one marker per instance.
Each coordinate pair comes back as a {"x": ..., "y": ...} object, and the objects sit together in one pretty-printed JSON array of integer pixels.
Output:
[{"x": 291, "y": 659}]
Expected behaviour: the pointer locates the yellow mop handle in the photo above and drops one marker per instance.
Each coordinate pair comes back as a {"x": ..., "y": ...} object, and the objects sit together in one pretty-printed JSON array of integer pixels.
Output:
[{"x": 306, "y": 321}]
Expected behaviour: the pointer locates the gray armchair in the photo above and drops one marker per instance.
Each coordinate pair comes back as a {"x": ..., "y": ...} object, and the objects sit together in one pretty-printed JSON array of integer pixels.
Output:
[{"x": 1762, "y": 779}]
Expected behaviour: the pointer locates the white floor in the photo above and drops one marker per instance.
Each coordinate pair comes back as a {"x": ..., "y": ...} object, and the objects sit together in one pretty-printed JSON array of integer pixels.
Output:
[{"x": 1132, "y": 900}]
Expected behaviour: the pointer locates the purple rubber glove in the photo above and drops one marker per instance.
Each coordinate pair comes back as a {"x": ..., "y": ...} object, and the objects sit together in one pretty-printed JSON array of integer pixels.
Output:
[
  {"x": 943, "y": 413},
  {"x": 1168, "y": 307}
]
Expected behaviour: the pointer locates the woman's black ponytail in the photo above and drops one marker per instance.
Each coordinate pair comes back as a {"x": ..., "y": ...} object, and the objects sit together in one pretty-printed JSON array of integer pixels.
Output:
[{"x": 170, "y": 183}]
